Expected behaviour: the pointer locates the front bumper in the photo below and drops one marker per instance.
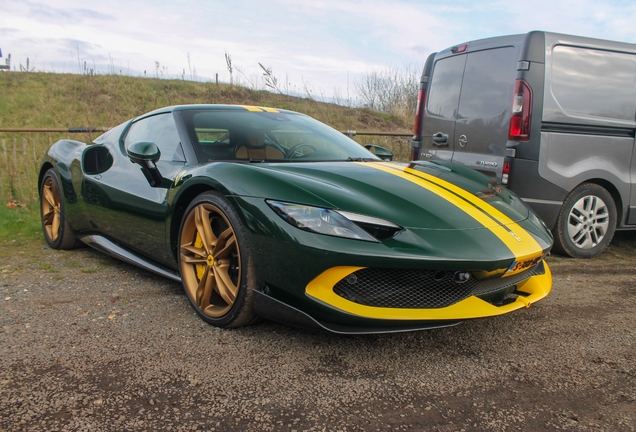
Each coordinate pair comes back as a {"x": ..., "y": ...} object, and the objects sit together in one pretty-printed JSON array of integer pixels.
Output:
[
  {"x": 347, "y": 317},
  {"x": 527, "y": 292}
]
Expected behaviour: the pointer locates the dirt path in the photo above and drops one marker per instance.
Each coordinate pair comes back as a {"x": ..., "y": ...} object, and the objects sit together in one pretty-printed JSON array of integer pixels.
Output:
[{"x": 89, "y": 343}]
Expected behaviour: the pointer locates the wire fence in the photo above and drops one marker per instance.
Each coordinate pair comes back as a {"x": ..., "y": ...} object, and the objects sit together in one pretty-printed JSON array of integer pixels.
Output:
[
  {"x": 21, "y": 157},
  {"x": 23, "y": 149},
  {"x": 22, "y": 152}
]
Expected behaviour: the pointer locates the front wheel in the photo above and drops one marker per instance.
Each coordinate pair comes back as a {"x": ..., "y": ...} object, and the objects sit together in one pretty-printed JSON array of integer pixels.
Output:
[
  {"x": 586, "y": 223},
  {"x": 215, "y": 262}
]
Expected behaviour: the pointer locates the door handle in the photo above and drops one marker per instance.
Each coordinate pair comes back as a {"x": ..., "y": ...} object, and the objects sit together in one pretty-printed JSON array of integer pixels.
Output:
[{"x": 440, "y": 139}]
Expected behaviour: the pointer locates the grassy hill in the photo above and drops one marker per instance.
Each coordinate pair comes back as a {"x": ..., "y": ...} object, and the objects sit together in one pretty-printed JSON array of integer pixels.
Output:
[
  {"x": 64, "y": 100},
  {"x": 47, "y": 100}
]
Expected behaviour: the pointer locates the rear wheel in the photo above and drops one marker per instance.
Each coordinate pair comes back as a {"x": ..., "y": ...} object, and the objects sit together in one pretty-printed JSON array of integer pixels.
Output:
[
  {"x": 215, "y": 262},
  {"x": 587, "y": 222},
  {"x": 57, "y": 230}
]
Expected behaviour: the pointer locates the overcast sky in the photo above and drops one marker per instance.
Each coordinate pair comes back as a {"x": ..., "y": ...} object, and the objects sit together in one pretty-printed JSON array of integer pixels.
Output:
[{"x": 324, "y": 45}]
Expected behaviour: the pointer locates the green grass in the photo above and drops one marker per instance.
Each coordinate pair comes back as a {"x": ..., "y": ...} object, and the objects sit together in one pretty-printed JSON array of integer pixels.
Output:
[
  {"x": 20, "y": 223},
  {"x": 19, "y": 228}
]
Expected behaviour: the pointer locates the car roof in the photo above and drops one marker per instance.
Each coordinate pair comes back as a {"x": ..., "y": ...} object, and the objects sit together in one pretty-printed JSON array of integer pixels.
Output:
[{"x": 213, "y": 107}]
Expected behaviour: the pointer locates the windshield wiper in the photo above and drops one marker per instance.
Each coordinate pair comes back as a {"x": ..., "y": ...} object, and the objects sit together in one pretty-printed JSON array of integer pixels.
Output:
[{"x": 361, "y": 159}]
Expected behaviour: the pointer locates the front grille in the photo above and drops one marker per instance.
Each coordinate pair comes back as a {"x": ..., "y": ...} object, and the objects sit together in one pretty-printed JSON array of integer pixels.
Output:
[{"x": 399, "y": 288}]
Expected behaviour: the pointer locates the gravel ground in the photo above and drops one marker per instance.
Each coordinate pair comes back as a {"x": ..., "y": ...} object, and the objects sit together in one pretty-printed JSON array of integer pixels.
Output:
[{"x": 89, "y": 343}]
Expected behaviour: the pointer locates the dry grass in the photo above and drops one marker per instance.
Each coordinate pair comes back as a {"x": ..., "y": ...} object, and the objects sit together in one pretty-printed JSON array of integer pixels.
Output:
[
  {"x": 42, "y": 100},
  {"x": 60, "y": 100}
]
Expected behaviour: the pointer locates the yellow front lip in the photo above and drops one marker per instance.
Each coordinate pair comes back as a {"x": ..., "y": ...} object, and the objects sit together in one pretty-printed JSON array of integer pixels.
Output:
[{"x": 321, "y": 289}]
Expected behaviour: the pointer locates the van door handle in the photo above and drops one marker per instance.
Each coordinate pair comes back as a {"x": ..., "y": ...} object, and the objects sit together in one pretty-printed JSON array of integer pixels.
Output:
[{"x": 440, "y": 139}]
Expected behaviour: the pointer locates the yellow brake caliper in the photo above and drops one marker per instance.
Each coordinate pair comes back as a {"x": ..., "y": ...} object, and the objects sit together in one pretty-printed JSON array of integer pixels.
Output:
[{"x": 198, "y": 243}]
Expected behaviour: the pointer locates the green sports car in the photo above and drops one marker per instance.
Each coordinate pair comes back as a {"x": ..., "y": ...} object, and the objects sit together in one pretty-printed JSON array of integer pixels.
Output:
[{"x": 261, "y": 212}]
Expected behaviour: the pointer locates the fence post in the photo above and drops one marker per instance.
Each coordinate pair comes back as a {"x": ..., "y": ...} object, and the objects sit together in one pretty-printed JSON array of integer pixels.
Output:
[
  {"x": 15, "y": 166},
  {"x": 6, "y": 158},
  {"x": 6, "y": 165},
  {"x": 26, "y": 167},
  {"x": 35, "y": 158}
]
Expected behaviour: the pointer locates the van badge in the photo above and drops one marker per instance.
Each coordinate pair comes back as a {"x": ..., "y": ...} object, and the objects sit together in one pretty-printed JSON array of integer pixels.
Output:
[
  {"x": 463, "y": 140},
  {"x": 487, "y": 163}
]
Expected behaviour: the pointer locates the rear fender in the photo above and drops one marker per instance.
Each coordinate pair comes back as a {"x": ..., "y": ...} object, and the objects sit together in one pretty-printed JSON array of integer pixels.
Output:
[{"x": 65, "y": 158}]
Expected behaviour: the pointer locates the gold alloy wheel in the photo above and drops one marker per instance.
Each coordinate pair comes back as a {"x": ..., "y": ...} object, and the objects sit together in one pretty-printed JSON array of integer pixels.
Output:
[
  {"x": 210, "y": 260},
  {"x": 50, "y": 207}
]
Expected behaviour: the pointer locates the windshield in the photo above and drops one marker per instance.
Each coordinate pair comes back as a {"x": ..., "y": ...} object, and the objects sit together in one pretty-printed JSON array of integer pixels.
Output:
[{"x": 268, "y": 136}]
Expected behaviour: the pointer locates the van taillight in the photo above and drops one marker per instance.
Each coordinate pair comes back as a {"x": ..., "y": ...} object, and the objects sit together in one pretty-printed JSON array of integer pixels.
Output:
[
  {"x": 505, "y": 174},
  {"x": 419, "y": 114},
  {"x": 521, "y": 112},
  {"x": 419, "y": 118}
]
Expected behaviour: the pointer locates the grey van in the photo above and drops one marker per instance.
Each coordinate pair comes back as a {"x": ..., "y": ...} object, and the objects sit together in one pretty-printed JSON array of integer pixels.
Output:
[{"x": 550, "y": 116}]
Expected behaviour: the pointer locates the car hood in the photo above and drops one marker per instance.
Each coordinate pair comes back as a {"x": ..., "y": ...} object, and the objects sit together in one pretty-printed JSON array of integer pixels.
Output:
[{"x": 423, "y": 195}]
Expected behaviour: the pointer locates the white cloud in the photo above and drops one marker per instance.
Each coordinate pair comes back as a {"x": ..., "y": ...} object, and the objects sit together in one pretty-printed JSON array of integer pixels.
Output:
[{"x": 325, "y": 42}]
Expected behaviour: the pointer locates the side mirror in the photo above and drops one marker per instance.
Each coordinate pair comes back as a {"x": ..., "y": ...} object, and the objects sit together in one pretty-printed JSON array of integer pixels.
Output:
[
  {"x": 379, "y": 151},
  {"x": 146, "y": 154}
]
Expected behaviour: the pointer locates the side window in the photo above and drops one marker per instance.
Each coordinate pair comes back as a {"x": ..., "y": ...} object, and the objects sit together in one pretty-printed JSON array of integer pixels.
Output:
[
  {"x": 594, "y": 83},
  {"x": 445, "y": 86},
  {"x": 211, "y": 135},
  {"x": 159, "y": 129},
  {"x": 488, "y": 79},
  {"x": 214, "y": 143}
]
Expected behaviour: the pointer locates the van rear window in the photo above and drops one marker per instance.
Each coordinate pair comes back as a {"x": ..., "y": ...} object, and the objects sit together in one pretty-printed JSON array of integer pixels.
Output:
[
  {"x": 445, "y": 87},
  {"x": 488, "y": 81}
]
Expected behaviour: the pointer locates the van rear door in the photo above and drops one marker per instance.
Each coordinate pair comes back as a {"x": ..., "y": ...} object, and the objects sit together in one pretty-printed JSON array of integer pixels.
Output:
[
  {"x": 483, "y": 115},
  {"x": 438, "y": 129}
]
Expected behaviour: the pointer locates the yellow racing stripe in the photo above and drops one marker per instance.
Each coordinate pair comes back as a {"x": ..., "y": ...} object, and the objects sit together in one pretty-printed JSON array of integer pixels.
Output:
[
  {"x": 518, "y": 240},
  {"x": 252, "y": 108},
  {"x": 259, "y": 109}
]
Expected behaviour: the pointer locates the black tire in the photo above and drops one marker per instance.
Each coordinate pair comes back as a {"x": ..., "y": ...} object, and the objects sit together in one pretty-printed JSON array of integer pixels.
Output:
[
  {"x": 220, "y": 288},
  {"x": 586, "y": 223},
  {"x": 55, "y": 226}
]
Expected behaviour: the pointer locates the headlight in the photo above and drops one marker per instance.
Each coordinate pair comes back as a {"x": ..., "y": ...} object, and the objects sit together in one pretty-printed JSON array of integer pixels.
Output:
[{"x": 326, "y": 221}]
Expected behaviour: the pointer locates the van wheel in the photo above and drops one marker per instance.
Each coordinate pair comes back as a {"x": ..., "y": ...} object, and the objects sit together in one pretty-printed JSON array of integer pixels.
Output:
[{"x": 587, "y": 222}]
